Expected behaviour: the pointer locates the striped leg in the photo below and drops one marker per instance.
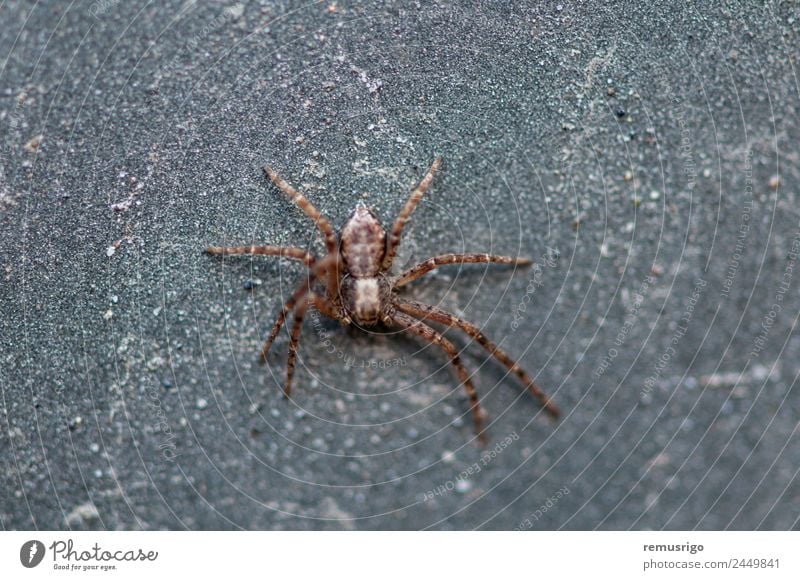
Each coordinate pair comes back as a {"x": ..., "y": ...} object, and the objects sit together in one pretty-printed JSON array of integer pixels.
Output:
[
  {"x": 282, "y": 251},
  {"x": 405, "y": 214},
  {"x": 447, "y": 259},
  {"x": 299, "y": 313},
  {"x": 426, "y": 311},
  {"x": 308, "y": 208},
  {"x": 429, "y": 334},
  {"x": 319, "y": 267}
]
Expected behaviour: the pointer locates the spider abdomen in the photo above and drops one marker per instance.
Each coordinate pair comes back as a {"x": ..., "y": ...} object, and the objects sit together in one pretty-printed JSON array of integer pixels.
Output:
[
  {"x": 363, "y": 243},
  {"x": 365, "y": 299}
]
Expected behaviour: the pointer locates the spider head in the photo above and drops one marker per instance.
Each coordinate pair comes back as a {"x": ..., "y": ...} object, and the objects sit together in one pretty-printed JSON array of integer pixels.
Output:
[{"x": 363, "y": 243}]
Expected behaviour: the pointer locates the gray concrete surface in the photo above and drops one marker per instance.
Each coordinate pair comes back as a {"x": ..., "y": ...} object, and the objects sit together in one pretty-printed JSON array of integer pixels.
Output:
[{"x": 644, "y": 154}]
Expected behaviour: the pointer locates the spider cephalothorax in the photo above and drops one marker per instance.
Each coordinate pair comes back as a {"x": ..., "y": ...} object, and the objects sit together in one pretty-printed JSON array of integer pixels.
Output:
[{"x": 352, "y": 283}]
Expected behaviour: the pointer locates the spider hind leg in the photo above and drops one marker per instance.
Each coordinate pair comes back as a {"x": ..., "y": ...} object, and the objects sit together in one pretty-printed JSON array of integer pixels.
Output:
[
  {"x": 434, "y": 337},
  {"x": 428, "y": 312}
]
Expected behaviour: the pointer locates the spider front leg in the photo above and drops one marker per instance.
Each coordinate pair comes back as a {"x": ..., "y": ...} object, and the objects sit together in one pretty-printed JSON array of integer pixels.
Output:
[
  {"x": 405, "y": 214},
  {"x": 426, "y": 311},
  {"x": 448, "y": 259},
  {"x": 281, "y": 251},
  {"x": 432, "y": 336},
  {"x": 308, "y": 208}
]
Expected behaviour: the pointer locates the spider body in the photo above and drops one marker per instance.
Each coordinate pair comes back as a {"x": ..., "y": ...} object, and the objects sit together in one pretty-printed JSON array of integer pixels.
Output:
[{"x": 353, "y": 283}]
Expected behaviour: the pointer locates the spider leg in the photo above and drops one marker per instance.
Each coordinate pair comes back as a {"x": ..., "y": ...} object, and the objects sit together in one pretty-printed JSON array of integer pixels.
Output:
[
  {"x": 427, "y": 311},
  {"x": 447, "y": 259},
  {"x": 323, "y": 306},
  {"x": 308, "y": 208},
  {"x": 299, "y": 314},
  {"x": 405, "y": 214},
  {"x": 282, "y": 251},
  {"x": 432, "y": 336},
  {"x": 297, "y": 326},
  {"x": 318, "y": 268}
]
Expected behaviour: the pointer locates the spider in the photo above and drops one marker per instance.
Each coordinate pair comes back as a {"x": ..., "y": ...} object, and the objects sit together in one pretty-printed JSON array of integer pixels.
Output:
[{"x": 353, "y": 283}]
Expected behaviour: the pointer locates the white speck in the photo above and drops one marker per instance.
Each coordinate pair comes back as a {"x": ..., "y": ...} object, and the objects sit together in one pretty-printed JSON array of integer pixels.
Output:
[
  {"x": 108, "y": 314},
  {"x": 463, "y": 486},
  {"x": 110, "y": 251},
  {"x": 235, "y": 11},
  {"x": 375, "y": 439},
  {"x": 94, "y": 448},
  {"x": 655, "y": 194},
  {"x": 201, "y": 403},
  {"x": 760, "y": 372},
  {"x": 448, "y": 456}
]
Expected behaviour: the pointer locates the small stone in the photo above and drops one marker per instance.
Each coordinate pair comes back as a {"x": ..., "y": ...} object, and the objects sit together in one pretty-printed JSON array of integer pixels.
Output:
[
  {"x": 774, "y": 182},
  {"x": 86, "y": 512},
  {"x": 628, "y": 176},
  {"x": 32, "y": 146},
  {"x": 201, "y": 404},
  {"x": 611, "y": 92},
  {"x": 108, "y": 314}
]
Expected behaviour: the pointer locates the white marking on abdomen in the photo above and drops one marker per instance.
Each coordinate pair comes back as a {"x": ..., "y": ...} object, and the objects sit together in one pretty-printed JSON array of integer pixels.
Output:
[{"x": 367, "y": 298}]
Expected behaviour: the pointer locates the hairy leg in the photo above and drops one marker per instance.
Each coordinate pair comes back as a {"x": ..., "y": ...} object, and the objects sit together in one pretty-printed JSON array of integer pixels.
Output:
[
  {"x": 308, "y": 208},
  {"x": 297, "y": 327},
  {"x": 304, "y": 288},
  {"x": 447, "y": 259},
  {"x": 405, "y": 214},
  {"x": 282, "y": 251},
  {"x": 429, "y": 334},
  {"x": 429, "y": 312}
]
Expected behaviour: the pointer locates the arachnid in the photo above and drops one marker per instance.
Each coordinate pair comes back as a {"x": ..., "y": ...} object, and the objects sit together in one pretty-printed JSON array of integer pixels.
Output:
[{"x": 353, "y": 283}]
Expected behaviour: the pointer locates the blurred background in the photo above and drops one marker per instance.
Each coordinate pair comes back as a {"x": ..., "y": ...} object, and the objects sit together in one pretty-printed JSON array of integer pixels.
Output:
[{"x": 644, "y": 155}]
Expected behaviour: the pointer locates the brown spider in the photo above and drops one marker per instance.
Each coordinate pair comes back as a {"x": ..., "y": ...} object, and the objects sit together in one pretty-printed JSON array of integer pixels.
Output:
[{"x": 359, "y": 287}]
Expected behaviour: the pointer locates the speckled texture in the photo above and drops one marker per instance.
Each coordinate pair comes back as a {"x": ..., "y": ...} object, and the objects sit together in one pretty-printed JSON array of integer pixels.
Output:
[{"x": 644, "y": 154}]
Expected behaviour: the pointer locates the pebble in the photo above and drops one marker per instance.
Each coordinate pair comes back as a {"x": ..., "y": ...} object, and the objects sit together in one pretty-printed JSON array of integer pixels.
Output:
[{"x": 201, "y": 404}]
